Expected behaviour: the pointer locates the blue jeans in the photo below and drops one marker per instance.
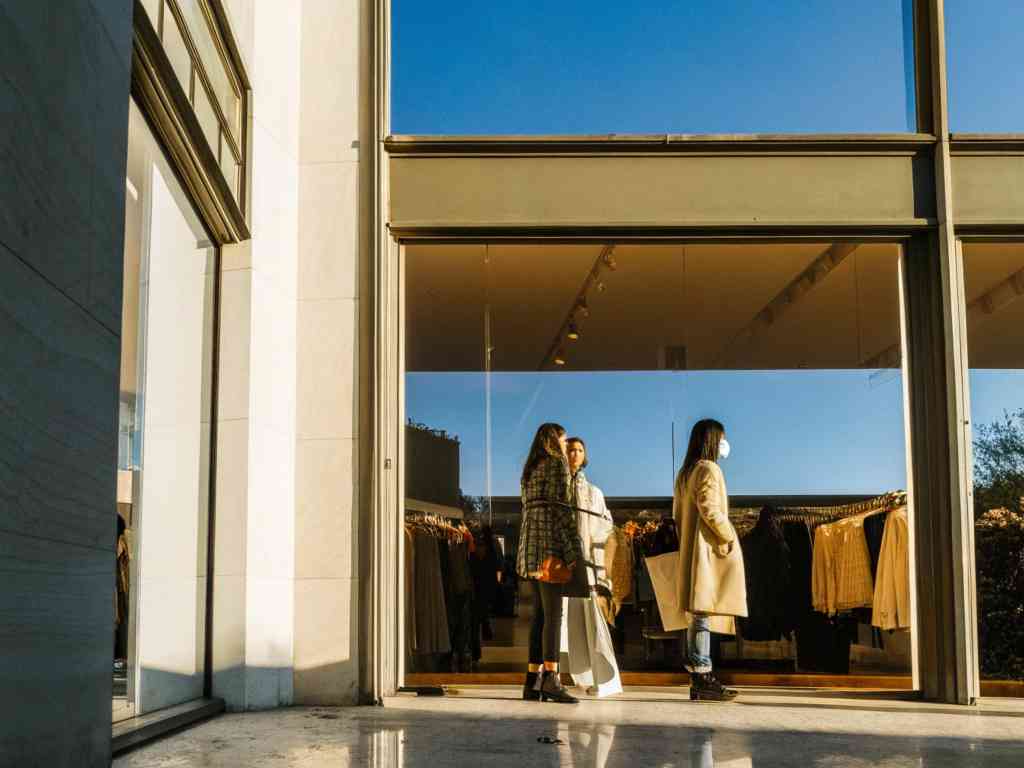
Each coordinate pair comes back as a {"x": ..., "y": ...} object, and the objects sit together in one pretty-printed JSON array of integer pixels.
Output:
[{"x": 698, "y": 645}]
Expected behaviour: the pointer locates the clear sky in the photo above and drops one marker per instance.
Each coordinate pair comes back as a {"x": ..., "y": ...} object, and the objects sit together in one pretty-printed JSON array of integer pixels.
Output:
[
  {"x": 791, "y": 431},
  {"x": 703, "y": 66},
  {"x": 986, "y": 79}
]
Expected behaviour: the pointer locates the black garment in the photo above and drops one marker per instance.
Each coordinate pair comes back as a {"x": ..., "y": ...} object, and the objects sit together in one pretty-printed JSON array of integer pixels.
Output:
[
  {"x": 484, "y": 567},
  {"x": 822, "y": 644},
  {"x": 766, "y": 563},
  {"x": 546, "y": 627},
  {"x": 459, "y": 597},
  {"x": 874, "y": 527}
]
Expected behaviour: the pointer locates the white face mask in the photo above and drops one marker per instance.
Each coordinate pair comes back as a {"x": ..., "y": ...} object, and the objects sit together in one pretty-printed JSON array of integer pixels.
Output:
[{"x": 723, "y": 449}]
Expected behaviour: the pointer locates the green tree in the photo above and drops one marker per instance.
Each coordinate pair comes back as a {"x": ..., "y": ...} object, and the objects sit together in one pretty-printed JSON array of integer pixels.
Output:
[
  {"x": 999, "y": 545},
  {"x": 999, "y": 464}
]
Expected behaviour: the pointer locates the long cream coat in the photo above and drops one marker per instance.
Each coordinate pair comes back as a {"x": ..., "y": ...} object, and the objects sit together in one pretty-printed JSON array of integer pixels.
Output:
[{"x": 711, "y": 578}]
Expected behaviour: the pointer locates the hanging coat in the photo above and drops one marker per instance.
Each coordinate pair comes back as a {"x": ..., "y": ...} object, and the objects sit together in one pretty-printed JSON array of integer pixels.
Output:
[
  {"x": 585, "y": 634},
  {"x": 711, "y": 576}
]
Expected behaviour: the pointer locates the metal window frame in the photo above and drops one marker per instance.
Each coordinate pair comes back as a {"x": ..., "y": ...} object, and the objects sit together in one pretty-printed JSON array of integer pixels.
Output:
[
  {"x": 169, "y": 110},
  {"x": 949, "y": 170}
]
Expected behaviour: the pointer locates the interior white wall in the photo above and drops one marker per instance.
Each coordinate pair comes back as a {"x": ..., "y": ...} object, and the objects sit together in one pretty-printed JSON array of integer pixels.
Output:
[{"x": 172, "y": 509}]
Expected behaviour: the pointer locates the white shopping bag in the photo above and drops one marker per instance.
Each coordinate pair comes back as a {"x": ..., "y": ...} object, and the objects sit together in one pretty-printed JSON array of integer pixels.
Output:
[{"x": 665, "y": 572}]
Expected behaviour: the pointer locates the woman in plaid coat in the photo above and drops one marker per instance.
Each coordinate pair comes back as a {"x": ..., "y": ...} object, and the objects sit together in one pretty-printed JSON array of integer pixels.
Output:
[{"x": 547, "y": 530}]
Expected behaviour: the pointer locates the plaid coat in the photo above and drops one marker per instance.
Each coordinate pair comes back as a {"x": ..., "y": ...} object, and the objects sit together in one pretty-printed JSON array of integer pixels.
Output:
[{"x": 547, "y": 529}]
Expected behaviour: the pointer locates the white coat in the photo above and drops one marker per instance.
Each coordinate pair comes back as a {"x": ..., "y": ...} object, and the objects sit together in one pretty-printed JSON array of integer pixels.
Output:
[
  {"x": 711, "y": 578},
  {"x": 585, "y": 636}
]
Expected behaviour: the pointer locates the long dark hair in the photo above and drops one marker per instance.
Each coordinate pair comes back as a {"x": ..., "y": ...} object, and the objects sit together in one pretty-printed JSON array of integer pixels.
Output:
[
  {"x": 704, "y": 440},
  {"x": 545, "y": 443}
]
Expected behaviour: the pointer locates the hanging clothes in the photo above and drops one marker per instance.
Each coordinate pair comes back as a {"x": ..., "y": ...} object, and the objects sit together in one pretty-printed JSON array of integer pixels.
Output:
[
  {"x": 855, "y": 586},
  {"x": 842, "y": 577},
  {"x": 431, "y": 609},
  {"x": 618, "y": 559},
  {"x": 766, "y": 561},
  {"x": 410, "y": 592},
  {"x": 585, "y": 635},
  {"x": 892, "y": 585}
]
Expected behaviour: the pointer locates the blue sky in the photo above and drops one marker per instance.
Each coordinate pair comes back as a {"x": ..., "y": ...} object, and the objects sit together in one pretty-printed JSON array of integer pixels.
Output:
[
  {"x": 703, "y": 66},
  {"x": 573, "y": 67},
  {"x": 791, "y": 431}
]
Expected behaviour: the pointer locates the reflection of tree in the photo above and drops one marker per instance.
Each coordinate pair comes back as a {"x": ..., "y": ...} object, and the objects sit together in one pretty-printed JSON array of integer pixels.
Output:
[
  {"x": 999, "y": 543},
  {"x": 999, "y": 464}
]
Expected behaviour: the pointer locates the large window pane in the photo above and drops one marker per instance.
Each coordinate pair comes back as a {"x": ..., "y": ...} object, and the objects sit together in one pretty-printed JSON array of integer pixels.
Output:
[
  {"x": 994, "y": 277},
  {"x": 698, "y": 67},
  {"x": 164, "y": 461},
  {"x": 795, "y": 347},
  {"x": 983, "y": 39}
]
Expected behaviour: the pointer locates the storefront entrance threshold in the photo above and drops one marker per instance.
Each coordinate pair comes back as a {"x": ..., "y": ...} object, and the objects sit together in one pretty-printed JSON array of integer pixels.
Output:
[
  {"x": 893, "y": 686},
  {"x": 136, "y": 731}
]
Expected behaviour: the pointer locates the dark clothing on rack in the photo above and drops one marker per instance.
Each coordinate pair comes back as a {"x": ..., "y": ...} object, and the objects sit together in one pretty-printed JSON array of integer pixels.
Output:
[
  {"x": 822, "y": 644},
  {"x": 432, "y": 635},
  {"x": 546, "y": 626},
  {"x": 769, "y": 583},
  {"x": 874, "y": 527}
]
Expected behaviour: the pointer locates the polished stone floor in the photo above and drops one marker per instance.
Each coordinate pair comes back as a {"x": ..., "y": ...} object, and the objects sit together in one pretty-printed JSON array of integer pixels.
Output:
[{"x": 656, "y": 727}]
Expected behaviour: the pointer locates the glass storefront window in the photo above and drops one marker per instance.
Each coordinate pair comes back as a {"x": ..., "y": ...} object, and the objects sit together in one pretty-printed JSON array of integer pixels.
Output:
[
  {"x": 796, "y": 348},
  {"x": 698, "y": 67},
  {"x": 164, "y": 461},
  {"x": 994, "y": 285},
  {"x": 983, "y": 50}
]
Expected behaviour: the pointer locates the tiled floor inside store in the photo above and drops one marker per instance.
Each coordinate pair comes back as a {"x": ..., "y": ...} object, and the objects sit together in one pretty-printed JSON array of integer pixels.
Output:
[{"x": 656, "y": 727}]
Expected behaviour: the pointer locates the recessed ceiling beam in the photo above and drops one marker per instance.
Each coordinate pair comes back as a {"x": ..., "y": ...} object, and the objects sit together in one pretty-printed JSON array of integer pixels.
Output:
[
  {"x": 996, "y": 298},
  {"x": 809, "y": 279},
  {"x": 604, "y": 259}
]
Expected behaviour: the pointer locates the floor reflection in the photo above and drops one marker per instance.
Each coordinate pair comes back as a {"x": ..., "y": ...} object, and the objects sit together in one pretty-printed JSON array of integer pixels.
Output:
[{"x": 483, "y": 732}]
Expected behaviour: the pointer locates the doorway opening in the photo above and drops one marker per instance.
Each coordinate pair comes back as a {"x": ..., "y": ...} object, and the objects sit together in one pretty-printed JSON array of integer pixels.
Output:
[{"x": 797, "y": 347}]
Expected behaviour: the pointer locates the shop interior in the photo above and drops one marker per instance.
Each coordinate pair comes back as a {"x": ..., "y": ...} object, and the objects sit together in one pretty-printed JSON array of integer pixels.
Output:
[{"x": 795, "y": 347}]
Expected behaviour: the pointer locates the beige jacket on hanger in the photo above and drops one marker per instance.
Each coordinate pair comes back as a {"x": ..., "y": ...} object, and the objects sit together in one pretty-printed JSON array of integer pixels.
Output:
[{"x": 711, "y": 578}]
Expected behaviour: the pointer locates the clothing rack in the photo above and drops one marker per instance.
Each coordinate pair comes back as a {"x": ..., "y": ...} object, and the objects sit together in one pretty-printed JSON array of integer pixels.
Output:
[
  {"x": 562, "y": 504},
  {"x": 884, "y": 503}
]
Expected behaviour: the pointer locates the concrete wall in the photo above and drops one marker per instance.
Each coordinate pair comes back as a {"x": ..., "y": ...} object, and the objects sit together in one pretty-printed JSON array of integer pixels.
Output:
[{"x": 63, "y": 149}]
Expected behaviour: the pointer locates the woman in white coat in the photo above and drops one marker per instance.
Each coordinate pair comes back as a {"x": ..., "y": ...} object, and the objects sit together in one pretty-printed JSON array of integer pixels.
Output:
[
  {"x": 713, "y": 588},
  {"x": 585, "y": 635}
]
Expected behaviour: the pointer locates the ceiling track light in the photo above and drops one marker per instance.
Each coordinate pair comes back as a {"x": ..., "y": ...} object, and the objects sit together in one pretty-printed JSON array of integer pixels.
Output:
[
  {"x": 559, "y": 357},
  {"x": 609, "y": 261},
  {"x": 582, "y": 308},
  {"x": 574, "y": 331}
]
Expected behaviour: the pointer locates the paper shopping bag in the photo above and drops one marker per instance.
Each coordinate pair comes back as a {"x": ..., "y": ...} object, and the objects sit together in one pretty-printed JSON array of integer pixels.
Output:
[{"x": 665, "y": 572}]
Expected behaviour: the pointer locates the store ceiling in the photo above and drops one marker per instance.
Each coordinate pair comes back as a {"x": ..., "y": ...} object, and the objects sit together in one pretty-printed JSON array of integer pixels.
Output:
[{"x": 701, "y": 297}]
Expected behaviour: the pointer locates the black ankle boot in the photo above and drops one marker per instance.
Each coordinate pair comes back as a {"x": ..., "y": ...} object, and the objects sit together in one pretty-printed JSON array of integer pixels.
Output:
[
  {"x": 551, "y": 690},
  {"x": 530, "y": 690},
  {"x": 705, "y": 687}
]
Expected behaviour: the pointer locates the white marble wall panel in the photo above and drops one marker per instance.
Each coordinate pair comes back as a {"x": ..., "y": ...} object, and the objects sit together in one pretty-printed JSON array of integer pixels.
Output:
[
  {"x": 326, "y": 630},
  {"x": 329, "y": 237},
  {"x": 327, "y": 369},
  {"x": 326, "y": 527},
  {"x": 329, "y": 131},
  {"x": 270, "y": 515}
]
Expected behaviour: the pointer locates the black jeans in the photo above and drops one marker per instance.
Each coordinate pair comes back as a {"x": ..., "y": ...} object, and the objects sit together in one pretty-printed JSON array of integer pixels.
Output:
[{"x": 546, "y": 628}]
